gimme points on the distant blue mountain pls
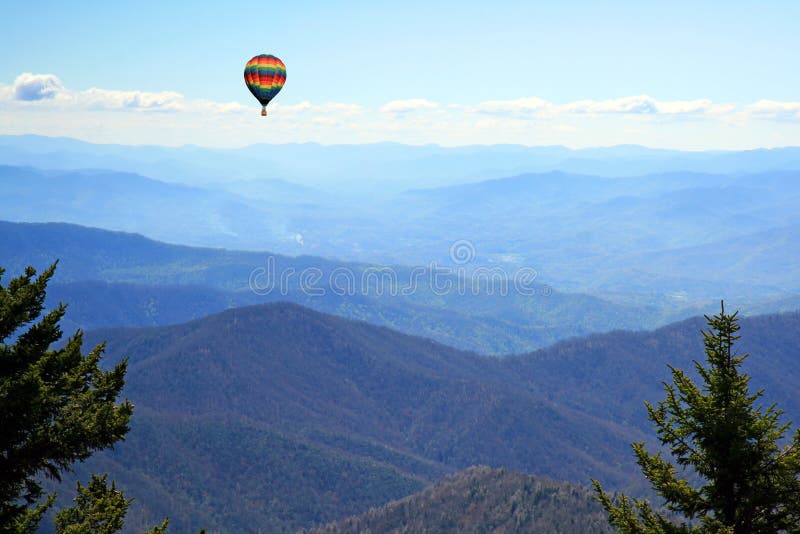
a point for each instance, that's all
(648, 239)
(167, 211)
(121, 279)
(380, 167)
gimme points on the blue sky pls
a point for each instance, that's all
(449, 53)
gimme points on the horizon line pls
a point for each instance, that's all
(400, 144)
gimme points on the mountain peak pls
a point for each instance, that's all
(485, 499)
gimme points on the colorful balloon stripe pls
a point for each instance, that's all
(265, 76)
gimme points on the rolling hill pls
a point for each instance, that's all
(611, 375)
(362, 406)
(484, 500)
(153, 283)
(654, 240)
(167, 211)
(704, 235)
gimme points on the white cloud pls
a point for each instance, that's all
(640, 104)
(339, 108)
(30, 87)
(218, 107)
(327, 121)
(632, 105)
(29, 104)
(331, 108)
(409, 105)
(143, 101)
(694, 107)
(293, 108)
(133, 100)
(770, 109)
(47, 90)
(519, 106)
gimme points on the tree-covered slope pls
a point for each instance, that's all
(484, 320)
(320, 375)
(228, 473)
(611, 375)
(401, 410)
(291, 418)
(484, 500)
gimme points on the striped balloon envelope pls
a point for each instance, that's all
(264, 76)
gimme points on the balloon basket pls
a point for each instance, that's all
(264, 112)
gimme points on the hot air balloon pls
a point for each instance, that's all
(264, 76)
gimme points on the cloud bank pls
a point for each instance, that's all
(631, 105)
(48, 89)
(407, 106)
(30, 87)
(771, 109)
(29, 103)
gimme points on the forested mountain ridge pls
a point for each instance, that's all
(374, 408)
(282, 363)
(647, 239)
(172, 212)
(149, 279)
(484, 500)
(611, 375)
(653, 234)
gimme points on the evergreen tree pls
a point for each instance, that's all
(99, 509)
(749, 477)
(56, 405)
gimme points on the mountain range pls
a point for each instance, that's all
(278, 414)
(676, 240)
(355, 168)
(119, 279)
(384, 337)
